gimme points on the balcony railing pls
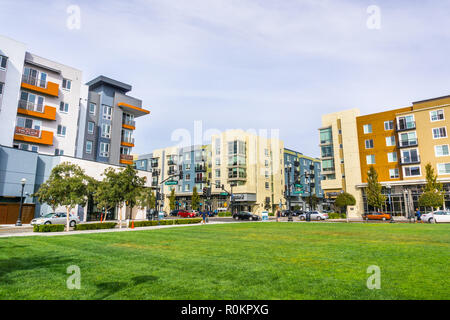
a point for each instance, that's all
(129, 122)
(34, 81)
(127, 140)
(200, 169)
(408, 143)
(28, 132)
(170, 162)
(126, 157)
(154, 164)
(403, 126)
(200, 180)
(410, 160)
(30, 106)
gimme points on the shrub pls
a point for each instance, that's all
(335, 215)
(188, 221)
(96, 226)
(138, 224)
(271, 214)
(48, 227)
(224, 214)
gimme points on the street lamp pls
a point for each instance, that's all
(288, 169)
(19, 219)
(389, 190)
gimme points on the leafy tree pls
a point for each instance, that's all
(344, 200)
(109, 193)
(314, 201)
(67, 186)
(373, 191)
(131, 186)
(195, 200)
(433, 195)
(147, 199)
(172, 199)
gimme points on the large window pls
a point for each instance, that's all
(439, 133)
(437, 115)
(388, 125)
(326, 136)
(327, 151)
(28, 123)
(328, 165)
(408, 139)
(392, 157)
(63, 107)
(236, 147)
(412, 171)
(369, 144)
(367, 128)
(106, 130)
(104, 149)
(236, 161)
(406, 122)
(107, 112)
(370, 159)
(394, 173)
(30, 101)
(390, 141)
(410, 156)
(66, 84)
(443, 168)
(441, 151)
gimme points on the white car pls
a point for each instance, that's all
(56, 218)
(439, 216)
(315, 215)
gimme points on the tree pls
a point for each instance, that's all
(373, 191)
(109, 193)
(344, 200)
(433, 196)
(314, 200)
(147, 199)
(195, 200)
(67, 186)
(131, 186)
(172, 199)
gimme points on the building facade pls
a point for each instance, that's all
(398, 143)
(236, 162)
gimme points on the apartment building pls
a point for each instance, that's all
(250, 167)
(40, 104)
(398, 143)
(107, 122)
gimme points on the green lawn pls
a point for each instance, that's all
(233, 261)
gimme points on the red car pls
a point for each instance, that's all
(186, 214)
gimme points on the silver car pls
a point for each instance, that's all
(56, 218)
(439, 216)
(315, 215)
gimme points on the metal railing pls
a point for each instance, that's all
(34, 81)
(410, 160)
(402, 126)
(408, 143)
(129, 140)
(129, 122)
(27, 105)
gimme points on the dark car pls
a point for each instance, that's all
(245, 215)
(174, 213)
(285, 213)
(298, 213)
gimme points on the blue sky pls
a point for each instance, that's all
(246, 64)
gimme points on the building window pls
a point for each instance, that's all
(92, 107)
(267, 185)
(394, 173)
(388, 125)
(266, 163)
(106, 130)
(91, 126)
(217, 183)
(63, 107)
(392, 157)
(437, 115)
(370, 159)
(367, 128)
(441, 151)
(187, 177)
(439, 133)
(443, 168)
(267, 174)
(104, 149)
(266, 152)
(326, 136)
(1, 88)
(88, 147)
(412, 171)
(406, 122)
(3, 61)
(217, 173)
(369, 144)
(390, 141)
(59, 152)
(66, 84)
(187, 166)
(107, 112)
(217, 161)
(61, 130)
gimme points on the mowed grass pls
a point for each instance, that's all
(233, 261)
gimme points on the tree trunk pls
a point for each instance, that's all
(120, 217)
(67, 219)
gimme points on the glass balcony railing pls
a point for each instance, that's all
(34, 81)
(408, 143)
(402, 125)
(410, 160)
(129, 122)
(128, 140)
(30, 106)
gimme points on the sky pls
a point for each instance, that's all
(246, 64)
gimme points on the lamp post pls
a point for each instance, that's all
(288, 169)
(19, 219)
(389, 190)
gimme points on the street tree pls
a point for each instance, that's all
(67, 186)
(172, 199)
(344, 200)
(109, 195)
(132, 186)
(433, 195)
(195, 199)
(375, 198)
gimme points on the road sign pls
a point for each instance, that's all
(224, 194)
(225, 204)
(171, 183)
(299, 186)
(299, 192)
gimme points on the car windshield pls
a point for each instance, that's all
(49, 215)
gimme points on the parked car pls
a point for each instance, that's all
(174, 213)
(298, 213)
(315, 215)
(56, 218)
(439, 216)
(186, 214)
(245, 215)
(377, 216)
(285, 213)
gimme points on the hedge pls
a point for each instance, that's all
(138, 224)
(95, 226)
(224, 214)
(335, 215)
(48, 227)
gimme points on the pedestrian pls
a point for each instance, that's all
(418, 215)
(203, 217)
(278, 215)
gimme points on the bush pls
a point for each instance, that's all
(139, 224)
(271, 214)
(188, 221)
(224, 214)
(48, 227)
(335, 215)
(96, 226)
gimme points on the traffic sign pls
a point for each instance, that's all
(225, 204)
(299, 186)
(171, 183)
(299, 192)
(224, 194)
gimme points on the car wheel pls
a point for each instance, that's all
(302, 218)
(384, 219)
(48, 222)
(430, 220)
(236, 218)
(72, 224)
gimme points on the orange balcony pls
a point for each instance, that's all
(34, 110)
(33, 136)
(133, 109)
(129, 124)
(37, 85)
(127, 144)
(126, 159)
